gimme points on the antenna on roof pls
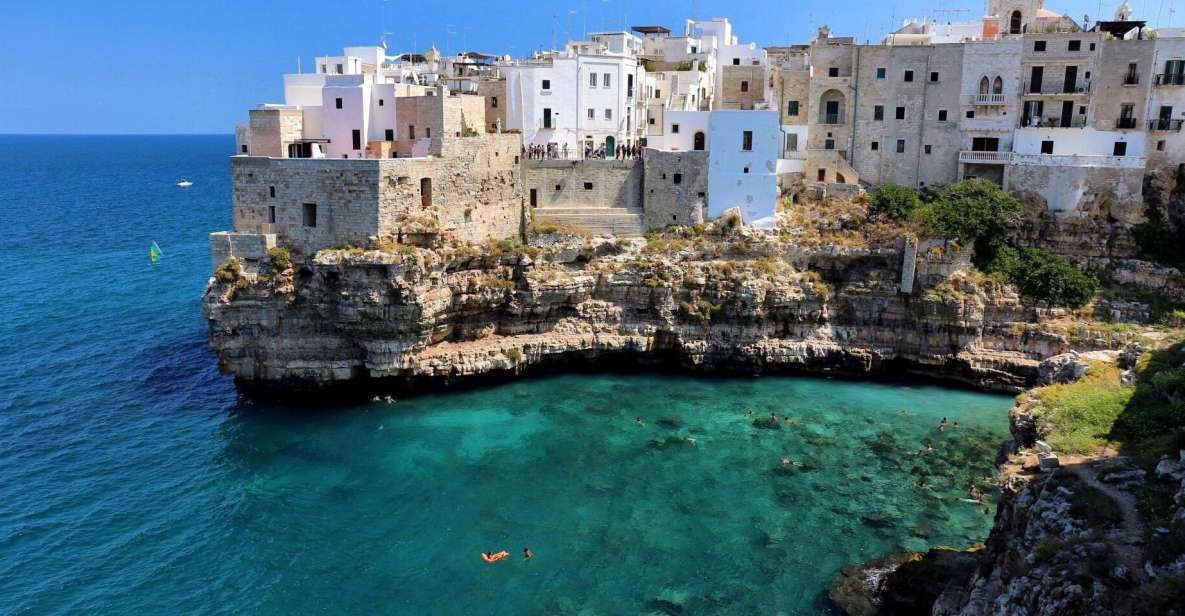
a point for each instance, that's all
(297, 65)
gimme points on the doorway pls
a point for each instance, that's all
(610, 146)
(425, 193)
(698, 141)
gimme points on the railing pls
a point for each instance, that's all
(989, 99)
(978, 156)
(1170, 79)
(1078, 160)
(1125, 123)
(1165, 125)
(831, 118)
(1055, 122)
(1055, 89)
(1131, 79)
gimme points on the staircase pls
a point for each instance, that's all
(597, 220)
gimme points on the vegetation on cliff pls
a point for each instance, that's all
(1161, 237)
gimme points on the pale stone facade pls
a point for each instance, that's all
(676, 188)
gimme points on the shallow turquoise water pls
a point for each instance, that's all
(134, 480)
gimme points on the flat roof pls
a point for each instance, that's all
(651, 30)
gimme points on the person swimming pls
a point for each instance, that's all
(527, 553)
(942, 425)
(955, 425)
(750, 413)
(493, 557)
(638, 420)
(903, 412)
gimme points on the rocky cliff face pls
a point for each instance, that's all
(749, 302)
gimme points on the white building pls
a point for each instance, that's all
(743, 152)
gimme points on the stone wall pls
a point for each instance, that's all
(584, 183)
(742, 87)
(669, 203)
(249, 248)
(1109, 93)
(473, 193)
(1102, 192)
(494, 92)
(273, 129)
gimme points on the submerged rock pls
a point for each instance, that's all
(768, 423)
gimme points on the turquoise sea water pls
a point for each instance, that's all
(133, 479)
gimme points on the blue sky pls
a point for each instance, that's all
(132, 66)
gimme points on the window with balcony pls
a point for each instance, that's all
(747, 140)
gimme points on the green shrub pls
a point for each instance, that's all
(280, 259)
(1161, 236)
(228, 271)
(513, 355)
(1042, 276)
(893, 202)
(973, 209)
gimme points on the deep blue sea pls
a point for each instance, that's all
(134, 480)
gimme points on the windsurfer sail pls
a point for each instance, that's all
(154, 253)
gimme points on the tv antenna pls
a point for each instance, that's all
(947, 12)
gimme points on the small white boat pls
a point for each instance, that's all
(184, 184)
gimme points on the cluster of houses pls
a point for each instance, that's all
(1062, 111)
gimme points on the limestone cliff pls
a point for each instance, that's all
(751, 302)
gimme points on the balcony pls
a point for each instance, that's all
(1131, 79)
(1078, 160)
(1172, 126)
(1170, 79)
(1056, 89)
(546, 125)
(985, 157)
(989, 99)
(831, 118)
(1055, 122)
(1125, 123)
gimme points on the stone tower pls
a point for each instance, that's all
(1014, 15)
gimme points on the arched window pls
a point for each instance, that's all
(839, 179)
(1014, 23)
(983, 85)
(998, 86)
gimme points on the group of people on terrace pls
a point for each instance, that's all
(555, 151)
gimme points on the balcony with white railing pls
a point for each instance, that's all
(1078, 160)
(985, 157)
(989, 99)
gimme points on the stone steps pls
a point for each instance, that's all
(597, 220)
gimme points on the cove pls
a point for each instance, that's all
(386, 507)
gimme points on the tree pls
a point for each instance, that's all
(893, 202)
(973, 210)
(1043, 276)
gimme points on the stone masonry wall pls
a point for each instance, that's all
(667, 203)
(585, 183)
(742, 87)
(273, 129)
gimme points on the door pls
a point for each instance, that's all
(832, 112)
(547, 118)
(1071, 82)
(1035, 79)
(1033, 111)
(698, 141)
(1165, 117)
(534, 198)
(1067, 113)
(426, 192)
(610, 144)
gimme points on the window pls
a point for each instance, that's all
(592, 113)
(927, 149)
(650, 121)
(880, 72)
(546, 84)
(428, 133)
(792, 108)
(357, 138)
(337, 103)
(792, 142)
(736, 61)
(605, 80)
(744, 86)
(271, 214)
(878, 113)
(588, 186)
(900, 146)
(323, 69)
(309, 214)
(874, 146)
(494, 102)
(1047, 147)
(390, 134)
(1160, 145)
(244, 148)
(941, 115)
(833, 71)
(658, 94)
(746, 169)
(678, 178)
(970, 114)
(1120, 149)
(1074, 46)
(901, 113)
(747, 140)
(934, 76)
(411, 131)
(1038, 45)
(1092, 46)
(822, 175)
(271, 192)
(380, 102)
(674, 129)
(608, 114)
(909, 75)
(339, 71)
(592, 80)
(828, 144)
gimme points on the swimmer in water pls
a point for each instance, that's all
(942, 425)
(638, 420)
(527, 553)
(493, 557)
(955, 425)
(750, 413)
(903, 412)
(689, 439)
